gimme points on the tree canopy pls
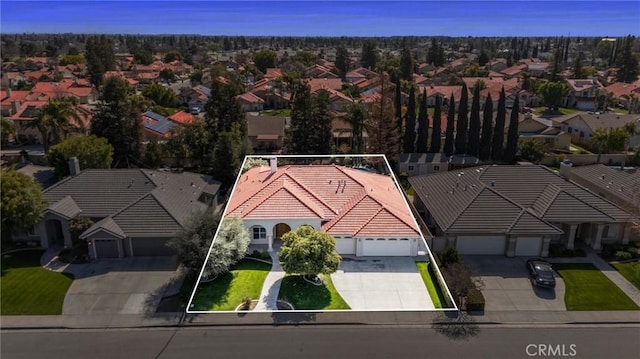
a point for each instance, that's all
(91, 151)
(265, 59)
(21, 203)
(194, 239)
(552, 93)
(308, 252)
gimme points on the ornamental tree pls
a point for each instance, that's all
(21, 203)
(309, 252)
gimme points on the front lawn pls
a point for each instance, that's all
(227, 291)
(429, 279)
(588, 289)
(545, 112)
(306, 296)
(28, 289)
(629, 270)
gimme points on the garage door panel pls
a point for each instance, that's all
(106, 248)
(528, 246)
(386, 247)
(346, 245)
(143, 247)
(481, 245)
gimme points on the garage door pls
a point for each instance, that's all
(143, 247)
(528, 246)
(106, 248)
(386, 247)
(346, 245)
(481, 245)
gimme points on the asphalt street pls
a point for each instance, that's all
(325, 342)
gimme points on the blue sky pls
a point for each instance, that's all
(325, 18)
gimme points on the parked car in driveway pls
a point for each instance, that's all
(541, 273)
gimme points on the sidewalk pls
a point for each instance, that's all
(511, 318)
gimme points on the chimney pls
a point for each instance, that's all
(274, 164)
(74, 166)
(15, 105)
(565, 168)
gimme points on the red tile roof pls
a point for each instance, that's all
(182, 117)
(346, 200)
(15, 96)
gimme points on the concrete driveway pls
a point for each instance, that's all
(381, 283)
(131, 285)
(507, 286)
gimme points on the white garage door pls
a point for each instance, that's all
(386, 247)
(346, 245)
(481, 245)
(528, 246)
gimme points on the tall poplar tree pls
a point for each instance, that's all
(487, 130)
(462, 127)
(448, 137)
(397, 105)
(409, 141)
(436, 132)
(423, 124)
(513, 135)
(473, 142)
(498, 131)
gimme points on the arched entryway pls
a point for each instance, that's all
(54, 232)
(280, 229)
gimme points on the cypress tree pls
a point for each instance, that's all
(423, 124)
(487, 130)
(448, 137)
(473, 142)
(463, 122)
(512, 136)
(498, 131)
(397, 104)
(409, 141)
(436, 131)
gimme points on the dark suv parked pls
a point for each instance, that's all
(541, 273)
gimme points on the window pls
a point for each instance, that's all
(605, 232)
(411, 168)
(381, 239)
(581, 134)
(258, 232)
(404, 239)
(436, 168)
(570, 129)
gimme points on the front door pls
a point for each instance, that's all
(280, 229)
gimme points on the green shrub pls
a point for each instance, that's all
(475, 301)
(623, 255)
(449, 256)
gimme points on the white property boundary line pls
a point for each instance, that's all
(404, 198)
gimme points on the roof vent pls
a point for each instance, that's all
(493, 183)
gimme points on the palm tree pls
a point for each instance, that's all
(56, 120)
(357, 117)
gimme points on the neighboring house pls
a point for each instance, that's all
(365, 212)
(250, 102)
(514, 211)
(619, 187)
(10, 101)
(156, 126)
(266, 133)
(537, 129)
(23, 115)
(581, 126)
(136, 211)
(415, 164)
(583, 93)
(195, 97)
